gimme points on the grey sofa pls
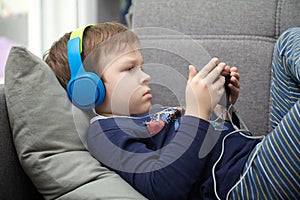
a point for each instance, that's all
(239, 32)
(14, 183)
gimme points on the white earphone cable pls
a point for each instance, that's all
(245, 133)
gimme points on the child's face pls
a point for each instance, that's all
(126, 84)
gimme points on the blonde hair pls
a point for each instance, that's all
(98, 35)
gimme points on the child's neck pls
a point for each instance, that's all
(107, 114)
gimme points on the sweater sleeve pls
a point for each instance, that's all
(167, 173)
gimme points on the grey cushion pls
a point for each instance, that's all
(240, 33)
(267, 18)
(14, 184)
(49, 135)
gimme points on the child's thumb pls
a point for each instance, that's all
(192, 72)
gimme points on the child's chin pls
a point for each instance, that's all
(144, 110)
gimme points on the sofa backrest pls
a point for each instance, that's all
(14, 183)
(240, 33)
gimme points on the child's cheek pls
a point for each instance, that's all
(124, 90)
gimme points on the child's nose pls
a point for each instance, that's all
(145, 78)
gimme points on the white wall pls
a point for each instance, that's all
(48, 20)
(45, 21)
(9, 7)
(13, 28)
(13, 20)
(51, 19)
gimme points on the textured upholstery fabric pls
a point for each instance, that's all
(49, 135)
(240, 33)
(14, 184)
(267, 18)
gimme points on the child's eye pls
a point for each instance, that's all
(130, 68)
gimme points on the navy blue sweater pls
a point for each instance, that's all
(175, 163)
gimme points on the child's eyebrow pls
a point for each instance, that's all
(133, 60)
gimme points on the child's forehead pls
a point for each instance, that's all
(129, 56)
(104, 54)
(124, 58)
(117, 48)
(132, 54)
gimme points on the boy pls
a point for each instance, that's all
(162, 154)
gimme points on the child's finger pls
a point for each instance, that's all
(227, 68)
(208, 68)
(216, 73)
(234, 69)
(235, 75)
(234, 72)
(226, 71)
(192, 72)
(234, 82)
(234, 90)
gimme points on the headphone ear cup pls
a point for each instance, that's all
(86, 91)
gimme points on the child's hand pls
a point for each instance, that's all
(204, 89)
(234, 84)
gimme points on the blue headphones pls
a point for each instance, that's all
(85, 89)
